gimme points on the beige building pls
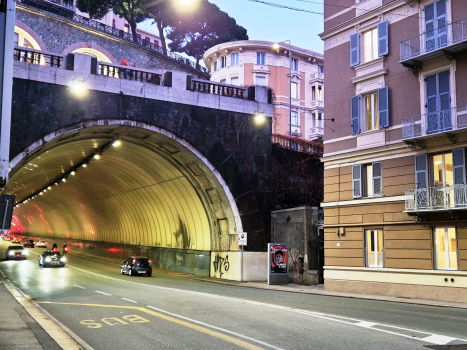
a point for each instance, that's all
(395, 201)
(253, 62)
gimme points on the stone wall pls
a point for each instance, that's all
(59, 33)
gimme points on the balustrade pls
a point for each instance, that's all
(436, 198)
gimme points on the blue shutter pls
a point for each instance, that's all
(357, 181)
(432, 104)
(458, 166)
(383, 41)
(444, 101)
(429, 27)
(383, 106)
(354, 49)
(355, 108)
(377, 179)
(441, 32)
(421, 171)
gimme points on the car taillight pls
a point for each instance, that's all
(150, 262)
(134, 261)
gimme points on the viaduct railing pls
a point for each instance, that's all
(297, 144)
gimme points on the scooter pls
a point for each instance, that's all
(65, 249)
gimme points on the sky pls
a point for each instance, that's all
(264, 22)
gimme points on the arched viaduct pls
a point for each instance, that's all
(180, 173)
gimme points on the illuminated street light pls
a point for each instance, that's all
(259, 117)
(96, 156)
(77, 88)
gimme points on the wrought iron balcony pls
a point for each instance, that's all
(443, 41)
(436, 198)
(435, 123)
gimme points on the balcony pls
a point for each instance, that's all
(316, 133)
(316, 78)
(436, 198)
(443, 41)
(447, 121)
(317, 103)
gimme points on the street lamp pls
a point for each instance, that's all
(277, 47)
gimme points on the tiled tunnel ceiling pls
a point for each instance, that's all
(132, 194)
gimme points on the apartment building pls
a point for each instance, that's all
(254, 62)
(395, 201)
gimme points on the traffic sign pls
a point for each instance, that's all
(242, 238)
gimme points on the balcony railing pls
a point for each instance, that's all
(316, 133)
(24, 54)
(431, 41)
(436, 122)
(210, 87)
(297, 144)
(125, 72)
(317, 103)
(68, 13)
(316, 77)
(436, 198)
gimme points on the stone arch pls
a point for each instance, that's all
(195, 180)
(30, 35)
(93, 49)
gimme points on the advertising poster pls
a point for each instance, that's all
(278, 258)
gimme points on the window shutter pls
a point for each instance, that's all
(383, 106)
(441, 22)
(354, 49)
(377, 179)
(355, 108)
(429, 27)
(458, 165)
(357, 181)
(421, 171)
(383, 39)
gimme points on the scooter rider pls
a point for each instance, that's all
(65, 248)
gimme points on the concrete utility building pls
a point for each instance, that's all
(254, 62)
(395, 201)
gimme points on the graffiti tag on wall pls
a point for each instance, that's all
(221, 264)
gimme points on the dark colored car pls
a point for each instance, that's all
(15, 252)
(29, 243)
(136, 265)
(50, 258)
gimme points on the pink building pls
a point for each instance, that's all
(254, 62)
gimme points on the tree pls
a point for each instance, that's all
(196, 32)
(131, 10)
(163, 13)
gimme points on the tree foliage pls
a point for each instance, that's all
(194, 33)
(164, 13)
(131, 10)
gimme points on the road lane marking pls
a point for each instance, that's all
(349, 321)
(439, 339)
(195, 327)
(103, 293)
(131, 301)
(78, 286)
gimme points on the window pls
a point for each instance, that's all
(261, 81)
(320, 93)
(294, 63)
(442, 170)
(16, 39)
(294, 90)
(320, 69)
(260, 58)
(370, 112)
(445, 248)
(125, 28)
(374, 248)
(113, 23)
(223, 61)
(148, 40)
(375, 44)
(438, 102)
(234, 59)
(234, 81)
(223, 81)
(367, 180)
(436, 32)
(294, 118)
(214, 66)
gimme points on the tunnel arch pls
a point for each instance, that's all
(177, 198)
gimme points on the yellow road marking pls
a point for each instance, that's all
(227, 338)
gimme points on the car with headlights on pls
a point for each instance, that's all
(41, 244)
(15, 252)
(29, 243)
(136, 265)
(50, 258)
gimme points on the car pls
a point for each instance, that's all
(29, 243)
(41, 244)
(136, 265)
(50, 258)
(16, 240)
(15, 252)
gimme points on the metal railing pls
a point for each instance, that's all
(210, 87)
(94, 24)
(433, 40)
(436, 122)
(436, 198)
(28, 55)
(297, 144)
(125, 72)
(317, 103)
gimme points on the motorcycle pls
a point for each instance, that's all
(65, 249)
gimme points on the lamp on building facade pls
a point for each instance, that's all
(277, 47)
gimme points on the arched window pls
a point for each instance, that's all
(94, 53)
(24, 39)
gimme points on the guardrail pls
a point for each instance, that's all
(297, 144)
(37, 57)
(433, 40)
(94, 24)
(436, 198)
(436, 122)
(125, 72)
(210, 87)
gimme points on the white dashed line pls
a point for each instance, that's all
(78, 286)
(103, 293)
(131, 301)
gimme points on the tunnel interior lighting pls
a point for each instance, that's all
(116, 143)
(260, 118)
(96, 156)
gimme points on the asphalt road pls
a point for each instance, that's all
(106, 310)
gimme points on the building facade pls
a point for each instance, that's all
(253, 62)
(395, 194)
